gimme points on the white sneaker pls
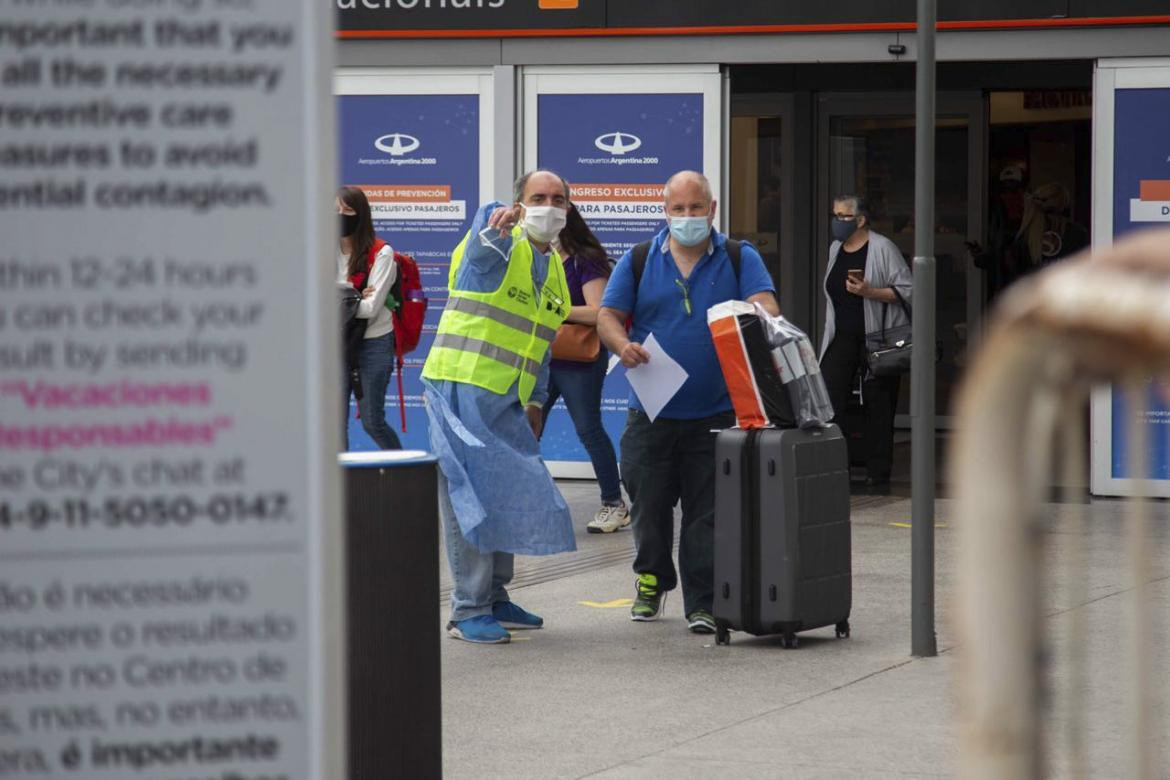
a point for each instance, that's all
(609, 519)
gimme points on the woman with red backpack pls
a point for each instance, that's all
(367, 264)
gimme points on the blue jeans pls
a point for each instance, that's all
(375, 365)
(479, 577)
(663, 462)
(581, 389)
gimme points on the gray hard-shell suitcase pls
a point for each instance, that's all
(782, 534)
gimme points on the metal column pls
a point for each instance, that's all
(505, 128)
(922, 370)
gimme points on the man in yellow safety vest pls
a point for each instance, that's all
(485, 381)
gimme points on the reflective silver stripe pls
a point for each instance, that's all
(505, 356)
(496, 314)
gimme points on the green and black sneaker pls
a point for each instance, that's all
(701, 622)
(648, 599)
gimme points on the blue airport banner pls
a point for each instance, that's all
(417, 159)
(1141, 199)
(616, 150)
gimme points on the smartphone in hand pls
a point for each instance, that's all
(856, 274)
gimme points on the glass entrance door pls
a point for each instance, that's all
(760, 194)
(866, 147)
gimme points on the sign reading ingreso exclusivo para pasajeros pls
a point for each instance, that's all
(617, 151)
(168, 368)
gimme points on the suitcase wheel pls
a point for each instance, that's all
(722, 634)
(843, 629)
(789, 641)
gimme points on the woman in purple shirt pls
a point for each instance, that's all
(587, 269)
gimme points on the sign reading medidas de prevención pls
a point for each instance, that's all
(167, 406)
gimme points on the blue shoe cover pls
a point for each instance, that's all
(481, 629)
(512, 616)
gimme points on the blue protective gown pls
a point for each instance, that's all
(504, 497)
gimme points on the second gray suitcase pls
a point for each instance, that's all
(783, 558)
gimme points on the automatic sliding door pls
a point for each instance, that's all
(759, 203)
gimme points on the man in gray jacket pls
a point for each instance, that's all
(867, 284)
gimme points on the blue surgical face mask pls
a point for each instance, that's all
(690, 231)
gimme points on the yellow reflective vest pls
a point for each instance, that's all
(493, 339)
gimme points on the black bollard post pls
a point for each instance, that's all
(392, 580)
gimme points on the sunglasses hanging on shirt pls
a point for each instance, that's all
(686, 293)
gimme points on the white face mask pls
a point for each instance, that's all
(544, 223)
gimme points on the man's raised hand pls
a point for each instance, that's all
(504, 219)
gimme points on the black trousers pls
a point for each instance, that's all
(666, 462)
(842, 361)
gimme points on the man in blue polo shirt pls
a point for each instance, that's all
(687, 270)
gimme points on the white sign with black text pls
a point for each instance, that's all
(169, 561)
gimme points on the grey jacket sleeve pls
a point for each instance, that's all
(895, 272)
(887, 269)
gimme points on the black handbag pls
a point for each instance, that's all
(888, 352)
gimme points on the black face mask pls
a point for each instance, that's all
(349, 224)
(843, 228)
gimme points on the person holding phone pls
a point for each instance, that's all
(865, 269)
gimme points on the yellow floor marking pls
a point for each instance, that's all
(521, 638)
(615, 604)
(907, 525)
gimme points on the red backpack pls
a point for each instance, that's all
(408, 304)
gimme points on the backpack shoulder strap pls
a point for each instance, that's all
(735, 253)
(375, 248)
(641, 252)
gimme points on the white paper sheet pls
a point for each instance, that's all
(656, 382)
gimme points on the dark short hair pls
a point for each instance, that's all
(522, 183)
(860, 205)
